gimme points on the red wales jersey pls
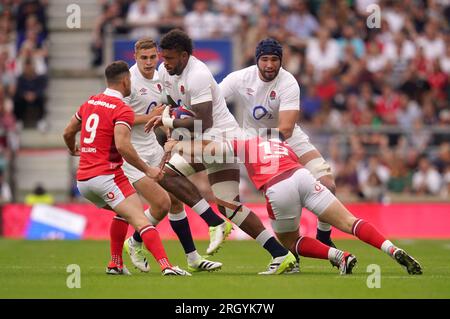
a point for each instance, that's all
(98, 116)
(264, 159)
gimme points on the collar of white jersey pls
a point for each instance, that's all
(114, 93)
(139, 74)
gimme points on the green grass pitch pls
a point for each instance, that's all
(38, 269)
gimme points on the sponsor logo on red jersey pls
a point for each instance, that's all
(110, 195)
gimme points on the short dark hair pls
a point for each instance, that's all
(176, 39)
(115, 71)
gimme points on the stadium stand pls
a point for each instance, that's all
(383, 94)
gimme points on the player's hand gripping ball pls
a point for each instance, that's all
(181, 112)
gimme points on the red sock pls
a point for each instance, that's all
(154, 245)
(367, 233)
(117, 234)
(310, 247)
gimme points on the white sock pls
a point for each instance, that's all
(323, 226)
(201, 207)
(388, 247)
(193, 256)
(178, 216)
(150, 217)
(263, 237)
(335, 255)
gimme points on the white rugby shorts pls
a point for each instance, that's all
(154, 159)
(288, 193)
(105, 190)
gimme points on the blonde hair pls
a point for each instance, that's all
(144, 43)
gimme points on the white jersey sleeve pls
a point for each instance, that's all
(200, 87)
(228, 86)
(290, 95)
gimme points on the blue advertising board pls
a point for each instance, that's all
(48, 222)
(217, 54)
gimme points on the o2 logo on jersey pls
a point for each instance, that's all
(260, 112)
(151, 105)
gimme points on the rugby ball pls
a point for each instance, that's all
(181, 112)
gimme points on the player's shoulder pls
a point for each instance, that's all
(113, 103)
(287, 81)
(123, 110)
(94, 97)
(91, 100)
(134, 75)
(286, 76)
(196, 67)
(246, 74)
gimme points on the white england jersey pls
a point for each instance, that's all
(197, 85)
(145, 95)
(262, 101)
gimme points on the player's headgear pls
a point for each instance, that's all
(268, 46)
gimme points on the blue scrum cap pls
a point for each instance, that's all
(268, 47)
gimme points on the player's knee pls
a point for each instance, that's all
(321, 170)
(176, 207)
(160, 208)
(328, 182)
(237, 215)
(228, 191)
(179, 165)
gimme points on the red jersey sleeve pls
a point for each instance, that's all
(78, 113)
(125, 116)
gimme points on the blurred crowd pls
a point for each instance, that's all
(23, 75)
(23, 62)
(381, 91)
(353, 74)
